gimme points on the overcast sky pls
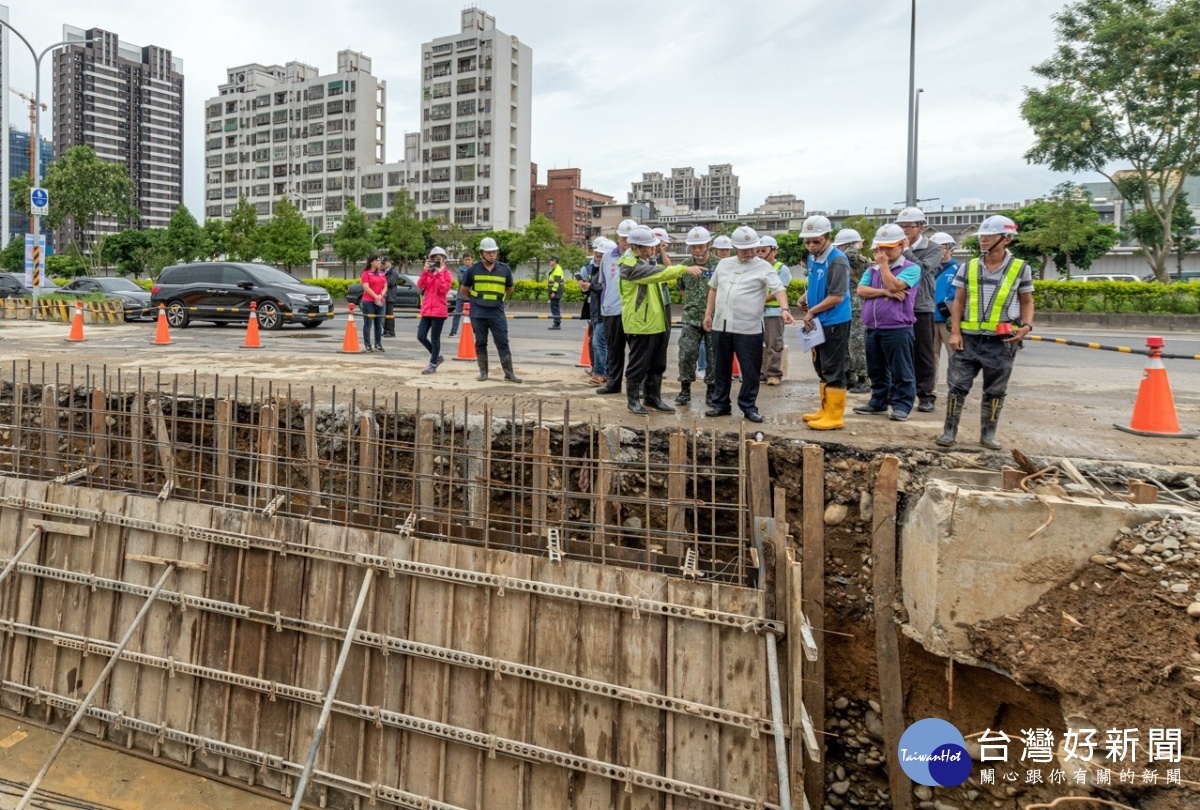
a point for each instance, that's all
(800, 96)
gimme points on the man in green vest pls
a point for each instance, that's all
(556, 282)
(487, 284)
(992, 312)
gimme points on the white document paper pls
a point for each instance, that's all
(813, 338)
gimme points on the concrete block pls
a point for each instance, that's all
(966, 555)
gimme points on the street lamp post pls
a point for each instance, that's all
(916, 145)
(35, 170)
(910, 192)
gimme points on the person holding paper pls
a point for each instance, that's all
(828, 302)
(734, 315)
(889, 291)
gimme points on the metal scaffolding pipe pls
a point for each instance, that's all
(12, 564)
(91, 695)
(326, 709)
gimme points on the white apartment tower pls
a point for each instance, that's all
(476, 95)
(287, 131)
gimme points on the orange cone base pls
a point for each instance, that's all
(350, 340)
(466, 342)
(253, 341)
(1154, 412)
(162, 332)
(585, 354)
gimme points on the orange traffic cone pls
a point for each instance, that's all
(1154, 412)
(466, 338)
(162, 333)
(76, 334)
(252, 339)
(585, 354)
(350, 341)
(737, 370)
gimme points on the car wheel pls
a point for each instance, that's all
(177, 315)
(269, 316)
(313, 324)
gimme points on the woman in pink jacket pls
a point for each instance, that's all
(434, 285)
(374, 303)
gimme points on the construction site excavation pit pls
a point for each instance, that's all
(346, 600)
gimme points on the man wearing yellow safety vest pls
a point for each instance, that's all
(556, 282)
(487, 283)
(992, 312)
(773, 344)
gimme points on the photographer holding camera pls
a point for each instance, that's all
(434, 284)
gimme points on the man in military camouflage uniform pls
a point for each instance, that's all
(695, 298)
(851, 242)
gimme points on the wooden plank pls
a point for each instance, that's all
(677, 493)
(887, 644)
(813, 584)
(368, 473)
(759, 479)
(225, 415)
(552, 623)
(595, 716)
(477, 469)
(748, 759)
(640, 665)
(425, 454)
(268, 450)
(505, 699)
(71, 529)
(1142, 493)
(18, 593)
(49, 442)
(312, 456)
(541, 478)
(137, 425)
(99, 431)
(162, 439)
(180, 564)
(1010, 478)
(609, 447)
(693, 656)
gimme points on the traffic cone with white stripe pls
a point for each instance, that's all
(350, 339)
(76, 334)
(1154, 411)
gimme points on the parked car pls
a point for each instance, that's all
(1108, 277)
(410, 296)
(136, 300)
(221, 292)
(12, 285)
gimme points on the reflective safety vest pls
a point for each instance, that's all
(971, 320)
(771, 302)
(488, 287)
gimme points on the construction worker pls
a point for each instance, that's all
(991, 314)
(695, 297)
(610, 308)
(850, 242)
(889, 290)
(646, 318)
(827, 300)
(734, 315)
(488, 283)
(723, 247)
(772, 372)
(556, 282)
(588, 284)
(943, 295)
(925, 253)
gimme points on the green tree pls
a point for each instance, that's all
(12, 258)
(286, 237)
(1123, 90)
(185, 240)
(134, 251)
(1063, 228)
(571, 258)
(1142, 225)
(791, 249)
(537, 244)
(82, 189)
(243, 235)
(353, 240)
(399, 233)
(215, 235)
(505, 244)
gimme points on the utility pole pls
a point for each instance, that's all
(910, 190)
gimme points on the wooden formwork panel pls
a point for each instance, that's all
(476, 678)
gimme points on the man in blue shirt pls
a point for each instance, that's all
(827, 300)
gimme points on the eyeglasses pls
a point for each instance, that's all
(813, 241)
(909, 225)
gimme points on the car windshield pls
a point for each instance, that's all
(269, 275)
(117, 285)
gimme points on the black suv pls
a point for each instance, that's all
(222, 292)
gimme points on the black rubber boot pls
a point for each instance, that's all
(654, 395)
(634, 399)
(989, 416)
(954, 405)
(708, 392)
(483, 367)
(685, 394)
(506, 363)
(613, 386)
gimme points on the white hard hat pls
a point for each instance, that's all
(723, 243)
(768, 241)
(910, 214)
(643, 236)
(698, 236)
(942, 238)
(815, 225)
(997, 226)
(662, 235)
(488, 243)
(437, 251)
(626, 227)
(888, 236)
(598, 243)
(744, 238)
(847, 236)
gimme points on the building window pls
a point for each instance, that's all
(464, 194)
(372, 181)
(395, 179)
(466, 64)
(440, 90)
(438, 175)
(314, 93)
(314, 166)
(334, 107)
(333, 165)
(464, 174)
(439, 195)
(374, 200)
(464, 129)
(464, 216)
(441, 50)
(466, 86)
(334, 146)
(439, 112)
(466, 107)
(466, 44)
(333, 184)
(464, 150)
(440, 69)
(439, 133)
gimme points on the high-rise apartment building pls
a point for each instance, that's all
(476, 94)
(17, 164)
(717, 191)
(126, 103)
(287, 131)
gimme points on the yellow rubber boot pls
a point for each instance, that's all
(809, 417)
(835, 408)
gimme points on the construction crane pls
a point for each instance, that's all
(33, 136)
